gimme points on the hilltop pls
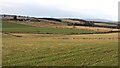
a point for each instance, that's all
(64, 21)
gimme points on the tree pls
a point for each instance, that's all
(15, 17)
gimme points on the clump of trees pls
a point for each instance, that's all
(15, 17)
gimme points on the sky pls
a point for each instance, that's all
(91, 9)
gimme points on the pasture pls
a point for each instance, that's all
(20, 28)
(60, 50)
(27, 45)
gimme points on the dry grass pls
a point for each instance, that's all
(93, 28)
(60, 50)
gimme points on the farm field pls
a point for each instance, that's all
(61, 25)
(60, 50)
(20, 28)
(28, 45)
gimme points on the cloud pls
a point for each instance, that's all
(80, 8)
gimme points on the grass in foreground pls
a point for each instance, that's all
(60, 50)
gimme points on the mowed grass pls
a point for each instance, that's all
(20, 28)
(47, 46)
(60, 50)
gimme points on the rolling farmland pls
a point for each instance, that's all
(20, 28)
(27, 45)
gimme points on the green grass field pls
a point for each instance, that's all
(19, 28)
(25, 45)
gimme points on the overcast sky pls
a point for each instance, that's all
(98, 9)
